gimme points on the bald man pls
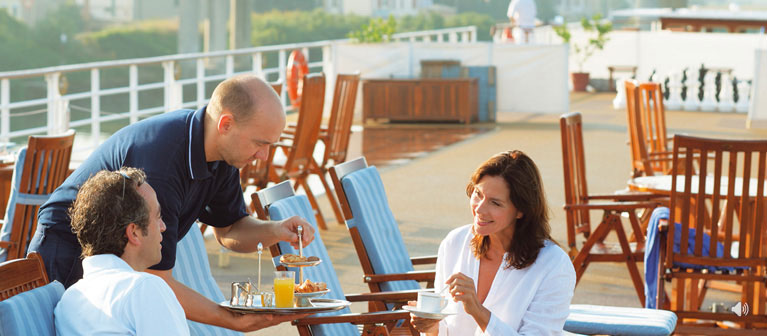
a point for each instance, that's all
(191, 159)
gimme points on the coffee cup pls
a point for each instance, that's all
(430, 302)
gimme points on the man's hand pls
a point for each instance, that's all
(287, 230)
(251, 322)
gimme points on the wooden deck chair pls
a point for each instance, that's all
(688, 260)
(374, 231)
(278, 202)
(27, 299)
(299, 147)
(193, 270)
(40, 168)
(650, 154)
(578, 203)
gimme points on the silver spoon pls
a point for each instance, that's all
(300, 230)
(260, 251)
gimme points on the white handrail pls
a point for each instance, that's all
(56, 101)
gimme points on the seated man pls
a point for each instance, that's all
(116, 218)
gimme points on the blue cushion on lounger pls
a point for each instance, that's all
(378, 229)
(193, 270)
(31, 312)
(299, 206)
(607, 320)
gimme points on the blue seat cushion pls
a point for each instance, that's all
(378, 229)
(31, 312)
(607, 320)
(299, 206)
(193, 270)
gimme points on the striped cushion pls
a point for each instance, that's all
(193, 270)
(299, 206)
(31, 312)
(377, 226)
(590, 320)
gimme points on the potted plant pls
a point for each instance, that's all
(582, 52)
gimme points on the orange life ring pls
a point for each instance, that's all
(297, 69)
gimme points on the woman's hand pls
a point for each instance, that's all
(424, 325)
(461, 287)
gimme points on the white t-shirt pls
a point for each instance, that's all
(112, 298)
(531, 301)
(523, 12)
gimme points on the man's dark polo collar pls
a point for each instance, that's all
(198, 167)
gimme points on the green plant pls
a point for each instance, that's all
(584, 51)
(375, 31)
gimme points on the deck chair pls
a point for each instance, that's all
(336, 135)
(578, 203)
(278, 202)
(650, 154)
(27, 299)
(688, 260)
(40, 168)
(298, 148)
(193, 270)
(374, 231)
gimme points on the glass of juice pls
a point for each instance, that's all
(284, 283)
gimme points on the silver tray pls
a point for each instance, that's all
(318, 306)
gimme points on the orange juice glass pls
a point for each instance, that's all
(284, 285)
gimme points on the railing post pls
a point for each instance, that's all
(473, 30)
(281, 68)
(95, 106)
(440, 37)
(258, 66)
(5, 112)
(200, 71)
(330, 74)
(169, 80)
(55, 113)
(133, 93)
(229, 66)
(453, 37)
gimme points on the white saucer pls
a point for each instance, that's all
(426, 314)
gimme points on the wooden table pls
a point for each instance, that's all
(661, 184)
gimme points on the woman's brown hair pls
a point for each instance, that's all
(526, 194)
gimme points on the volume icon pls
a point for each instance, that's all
(740, 309)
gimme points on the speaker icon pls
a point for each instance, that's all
(740, 309)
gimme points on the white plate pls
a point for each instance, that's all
(312, 294)
(302, 264)
(428, 315)
(304, 299)
(318, 306)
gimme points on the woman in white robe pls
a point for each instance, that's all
(505, 274)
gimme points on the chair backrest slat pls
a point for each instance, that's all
(308, 126)
(574, 167)
(341, 117)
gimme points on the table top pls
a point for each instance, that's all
(661, 184)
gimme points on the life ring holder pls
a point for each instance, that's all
(297, 69)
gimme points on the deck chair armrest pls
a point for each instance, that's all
(5, 244)
(424, 260)
(364, 318)
(396, 296)
(427, 275)
(615, 206)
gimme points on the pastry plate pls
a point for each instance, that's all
(302, 263)
(428, 315)
(312, 294)
(318, 306)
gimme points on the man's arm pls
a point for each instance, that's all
(198, 308)
(245, 234)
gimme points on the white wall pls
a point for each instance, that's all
(531, 78)
(669, 52)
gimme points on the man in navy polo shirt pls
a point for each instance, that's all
(191, 158)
